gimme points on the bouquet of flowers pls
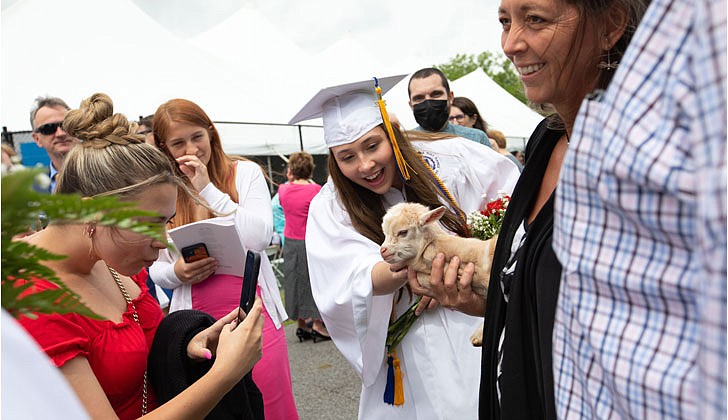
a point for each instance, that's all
(486, 223)
(398, 329)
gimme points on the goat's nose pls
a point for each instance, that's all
(383, 250)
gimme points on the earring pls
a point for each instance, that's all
(90, 229)
(607, 65)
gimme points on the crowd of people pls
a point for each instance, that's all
(607, 290)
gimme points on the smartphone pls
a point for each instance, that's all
(250, 280)
(195, 252)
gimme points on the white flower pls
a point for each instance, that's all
(43, 181)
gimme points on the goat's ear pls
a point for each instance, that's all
(432, 216)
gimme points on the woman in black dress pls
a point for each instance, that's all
(563, 51)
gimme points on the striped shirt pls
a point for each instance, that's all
(640, 229)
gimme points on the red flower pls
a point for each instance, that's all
(486, 223)
(496, 206)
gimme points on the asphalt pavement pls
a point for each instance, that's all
(325, 386)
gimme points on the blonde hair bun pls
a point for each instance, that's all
(95, 125)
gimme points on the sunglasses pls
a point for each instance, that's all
(48, 129)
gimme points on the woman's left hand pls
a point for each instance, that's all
(195, 170)
(204, 344)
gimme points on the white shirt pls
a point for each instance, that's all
(254, 219)
(441, 369)
(33, 388)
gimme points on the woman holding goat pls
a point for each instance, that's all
(373, 166)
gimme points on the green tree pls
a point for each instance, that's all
(495, 65)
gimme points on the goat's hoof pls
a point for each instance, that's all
(477, 338)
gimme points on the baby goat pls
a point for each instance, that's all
(413, 236)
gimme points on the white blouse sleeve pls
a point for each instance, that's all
(253, 214)
(340, 262)
(162, 271)
(253, 218)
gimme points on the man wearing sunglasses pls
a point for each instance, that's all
(46, 117)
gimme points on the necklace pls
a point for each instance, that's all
(134, 313)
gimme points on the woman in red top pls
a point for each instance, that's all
(105, 361)
(295, 197)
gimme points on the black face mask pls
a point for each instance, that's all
(431, 114)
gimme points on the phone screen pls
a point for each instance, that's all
(195, 252)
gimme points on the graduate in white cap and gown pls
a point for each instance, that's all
(373, 166)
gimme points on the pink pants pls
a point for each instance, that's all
(272, 373)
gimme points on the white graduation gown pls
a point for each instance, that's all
(440, 368)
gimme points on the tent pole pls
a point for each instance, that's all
(270, 177)
(300, 137)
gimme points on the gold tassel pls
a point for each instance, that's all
(398, 387)
(445, 191)
(401, 163)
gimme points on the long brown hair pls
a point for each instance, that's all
(468, 107)
(596, 11)
(365, 208)
(220, 168)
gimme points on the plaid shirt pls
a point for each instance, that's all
(640, 229)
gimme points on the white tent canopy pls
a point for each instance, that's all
(132, 58)
(140, 65)
(501, 110)
(263, 59)
(242, 70)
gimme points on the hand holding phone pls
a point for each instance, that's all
(250, 281)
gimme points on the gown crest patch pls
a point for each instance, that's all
(432, 160)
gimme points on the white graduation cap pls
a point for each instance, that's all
(349, 111)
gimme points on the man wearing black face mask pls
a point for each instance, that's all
(430, 99)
